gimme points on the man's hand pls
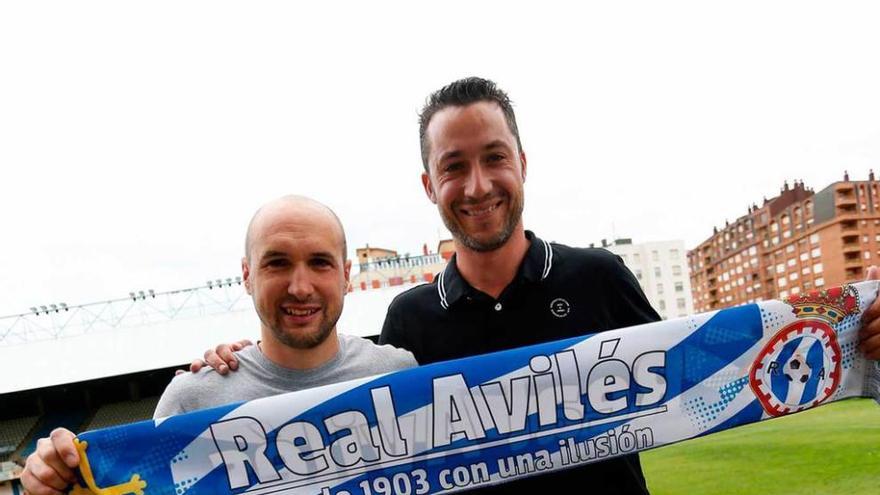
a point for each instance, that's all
(869, 335)
(50, 469)
(222, 358)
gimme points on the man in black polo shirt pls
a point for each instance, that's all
(505, 287)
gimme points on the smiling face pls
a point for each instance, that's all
(296, 272)
(475, 174)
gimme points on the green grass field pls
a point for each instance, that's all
(834, 449)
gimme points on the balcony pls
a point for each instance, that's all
(845, 197)
(849, 226)
(854, 274)
(852, 262)
(847, 208)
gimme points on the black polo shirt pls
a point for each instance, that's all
(558, 292)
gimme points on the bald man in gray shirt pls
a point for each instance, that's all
(296, 271)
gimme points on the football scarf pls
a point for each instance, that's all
(494, 418)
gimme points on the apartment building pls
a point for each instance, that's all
(799, 240)
(661, 269)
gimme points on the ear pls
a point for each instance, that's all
(246, 275)
(346, 273)
(429, 187)
(522, 159)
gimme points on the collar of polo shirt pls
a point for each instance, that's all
(536, 267)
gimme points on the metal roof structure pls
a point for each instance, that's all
(57, 344)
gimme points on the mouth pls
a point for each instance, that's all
(481, 210)
(299, 312)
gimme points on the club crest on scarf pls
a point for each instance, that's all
(800, 366)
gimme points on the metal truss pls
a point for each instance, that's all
(56, 321)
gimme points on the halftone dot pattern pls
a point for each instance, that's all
(700, 413)
(692, 324)
(851, 323)
(718, 380)
(703, 415)
(849, 354)
(771, 319)
(718, 335)
(154, 459)
(113, 439)
(182, 486)
(732, 389)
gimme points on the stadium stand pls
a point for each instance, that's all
(13, 433)
(72, 420)
(123, 412)
(106, 363)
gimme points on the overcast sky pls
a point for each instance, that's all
(136, 139)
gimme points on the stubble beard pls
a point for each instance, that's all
(297, 340)
(514, 215)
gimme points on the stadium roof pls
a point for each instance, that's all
(146, 332)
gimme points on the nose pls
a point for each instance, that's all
(300, 285)
(478, 184)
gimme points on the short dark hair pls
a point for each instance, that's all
(461, 93)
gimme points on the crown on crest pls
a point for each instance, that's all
(832, 305)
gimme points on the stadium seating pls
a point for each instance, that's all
(72, 420)
(123, 412)
(13, 433)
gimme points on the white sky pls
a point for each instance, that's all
(136, 139)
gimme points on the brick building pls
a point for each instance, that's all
(799, 240)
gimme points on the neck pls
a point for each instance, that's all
(298, 359)
(491, 271)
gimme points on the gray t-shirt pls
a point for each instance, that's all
(259, 377)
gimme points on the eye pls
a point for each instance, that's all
(276, 263)
(321, 263)
(495, 157)
(453, 167)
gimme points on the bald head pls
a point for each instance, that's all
(293, 207)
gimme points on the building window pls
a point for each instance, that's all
(659, 288)
(805, 256)
(639, 275)
(817, 268)
(814, 239)
(781, 282)
(819, 282)
(655, 256)
(676, 269)
(791, 262)
(793, 276)
(780, 268)
(867, 255)
(789, 248)
(662, 305)
(656, 271)
(679, 287)
(805, 270)
(816, 252)
(636, 258)
(673, 254)
(680, 303)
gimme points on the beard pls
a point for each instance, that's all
(496, 240)
(297, 339)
